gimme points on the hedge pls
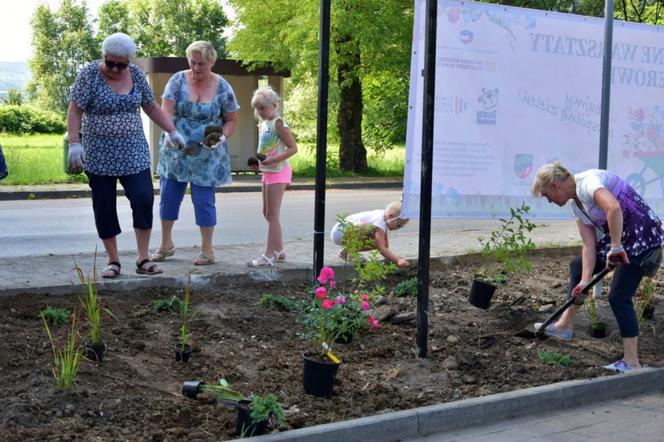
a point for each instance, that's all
(30, 120)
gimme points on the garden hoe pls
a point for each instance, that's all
(530, 333)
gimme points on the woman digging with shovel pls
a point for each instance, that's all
(619, 231)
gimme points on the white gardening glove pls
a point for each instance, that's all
(175, 141)
(220, 143)
(75, 157)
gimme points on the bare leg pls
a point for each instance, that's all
(275, 194)
(111, 246)
(142, 243)
(566, 319)
(206, 240)
(167, 234)
(631, 351)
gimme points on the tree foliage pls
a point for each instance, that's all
(63, 43)
(369, 40)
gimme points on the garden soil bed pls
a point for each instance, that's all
(135, 393)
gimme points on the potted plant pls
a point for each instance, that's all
(645, 302)
(222, 390)
(330, 317)
(506, 250)
(183, 348)
(258, 413)
(597, 328)
(95, 347)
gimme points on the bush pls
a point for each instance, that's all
(29, 120)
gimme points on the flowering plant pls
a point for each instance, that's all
(334, 316)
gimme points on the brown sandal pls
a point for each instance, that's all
(151, 269)
(112, 270)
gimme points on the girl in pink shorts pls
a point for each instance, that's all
(276, 143)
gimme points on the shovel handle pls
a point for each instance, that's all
(570, 301)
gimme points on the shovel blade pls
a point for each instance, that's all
(530, 333)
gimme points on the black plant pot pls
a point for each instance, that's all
(245, 426)
(318, 377)
(182, 355)
(190, 389)
(598, 331)
(648, 312)
(95, 352)
(481, 294)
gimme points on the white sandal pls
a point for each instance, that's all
(279, 256)
(257, 262)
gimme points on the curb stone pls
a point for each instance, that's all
(425, 421)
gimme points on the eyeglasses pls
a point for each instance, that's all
(114, 64)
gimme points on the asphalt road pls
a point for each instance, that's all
(61, 227)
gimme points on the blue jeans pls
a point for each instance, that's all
(625, 282)
(203, 198)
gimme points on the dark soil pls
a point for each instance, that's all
(135, 393)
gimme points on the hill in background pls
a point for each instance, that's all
(13, 75)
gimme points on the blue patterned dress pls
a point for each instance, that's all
(111, 126)
(206, 167)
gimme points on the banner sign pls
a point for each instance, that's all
(517, 88)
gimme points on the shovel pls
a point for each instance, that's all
(530, 333)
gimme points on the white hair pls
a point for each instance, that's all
(119, 44)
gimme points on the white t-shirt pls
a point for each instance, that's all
(373, 217)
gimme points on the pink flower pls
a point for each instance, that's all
(321, 292)
(333, 285)
(364, 297)
(341, 299)
(375, 324)
(328, 304)
(370, 319)
(326, 274)
(365, 305)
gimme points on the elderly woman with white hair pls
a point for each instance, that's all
(619, 231)
(195, 98)
(107, 141)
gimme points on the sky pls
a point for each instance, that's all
(16, 31)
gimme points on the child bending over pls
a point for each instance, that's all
(373, 226)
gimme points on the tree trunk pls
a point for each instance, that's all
(352, 154)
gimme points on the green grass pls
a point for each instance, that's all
(39, 159)
(554, 358)
(36, 159)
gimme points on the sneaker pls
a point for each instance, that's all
(619, 366)
(551, 330)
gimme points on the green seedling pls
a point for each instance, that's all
(185, 315)
(278, 302)
(591, 309)
(172, 304)
(222, 389)
(406, 288)
(66, 360)
(264, 408)
(551, 357)
(55, 316)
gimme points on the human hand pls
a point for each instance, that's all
(616, 257)
(75, 157)
(578, 294)
(403, 263)
(221, 142)
(175, 140)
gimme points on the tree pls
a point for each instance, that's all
(165, 27)
(63, 43)
(14, 97)
(369, 39)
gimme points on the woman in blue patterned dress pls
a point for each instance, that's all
(104, 106)
(195, 98)
(619, 231)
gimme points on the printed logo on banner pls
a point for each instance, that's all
(523, 165)
(489, 100)
(466, 36)
(453, 105)
(453, 14)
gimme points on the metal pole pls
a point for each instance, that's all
(321, 134)
(606, 85)
(425, 184)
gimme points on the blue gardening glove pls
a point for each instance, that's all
(578, 294)
(175, 141)
(220, 143)
(75, 157)
(616, 257)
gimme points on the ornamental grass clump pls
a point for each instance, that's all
(334, 316)
(66, 360)
(92, 307)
